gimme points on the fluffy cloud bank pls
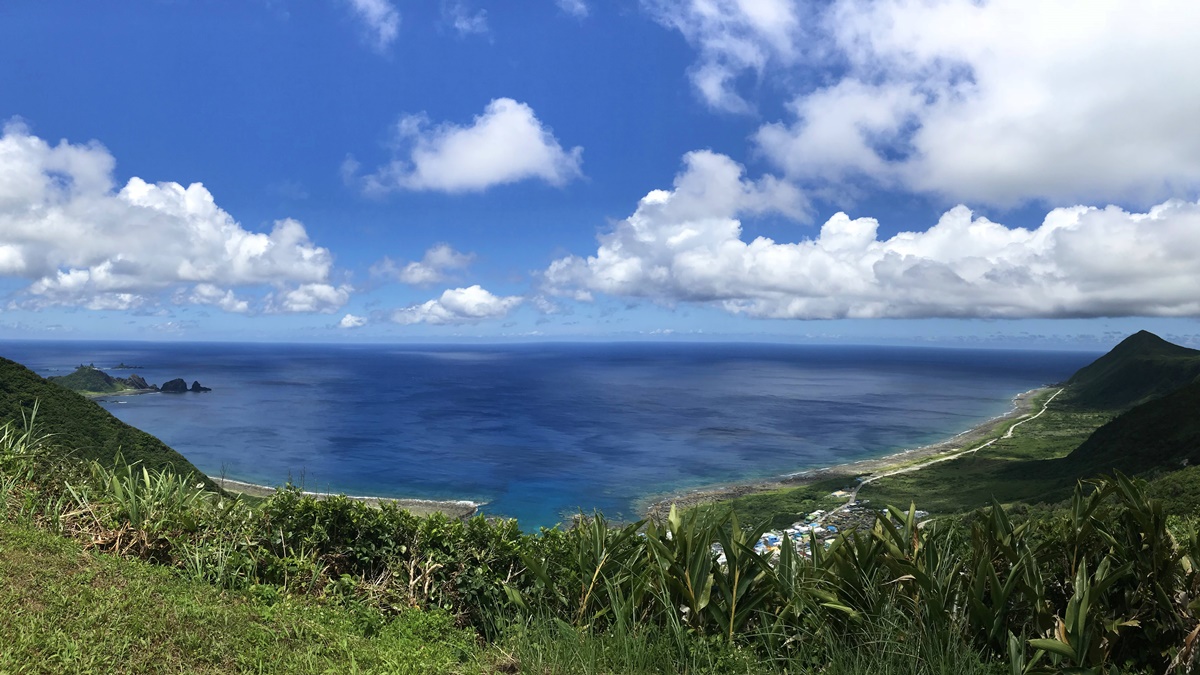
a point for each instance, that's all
(986, 102)
(458, 305)
(506, 144)
(685, 245)
(79, 241)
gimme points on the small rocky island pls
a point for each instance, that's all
(90, 380)
(179, 386)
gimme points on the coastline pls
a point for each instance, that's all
(95, 395)
(422, 507)
(657, 506)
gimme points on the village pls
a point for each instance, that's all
(819, 526)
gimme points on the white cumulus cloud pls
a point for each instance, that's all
(380, 19)
(352, 321)
(307, 298)
(686, 245)
(999, 102)
(506, 144)
(438, 264)
(208, 294)
(78, 240)
(458, 305)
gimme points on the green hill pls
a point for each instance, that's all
(1161, 434)
(80, 424)
(1143, 367)
(1157, 385)
(90, 380)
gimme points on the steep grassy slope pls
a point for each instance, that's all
(1143, 367)
(82, 425)
(1161, 434)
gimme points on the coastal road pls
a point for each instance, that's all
(943, 458)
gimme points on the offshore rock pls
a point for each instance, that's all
(137, 382)
(175, 386)
(197, 388)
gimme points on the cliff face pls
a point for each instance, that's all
(136, 381)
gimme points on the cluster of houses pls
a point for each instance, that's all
(819, 527)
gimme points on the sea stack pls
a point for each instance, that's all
(175, 386)
(137, 382)
(196, 387)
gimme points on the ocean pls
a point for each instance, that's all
(541, 431)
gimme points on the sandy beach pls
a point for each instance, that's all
(657, 506)
(420, 507)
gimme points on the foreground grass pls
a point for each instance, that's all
(892, 646)
(67, 610)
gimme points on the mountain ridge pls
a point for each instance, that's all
(1141, 368)
(1155, 386)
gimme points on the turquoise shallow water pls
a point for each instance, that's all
(537, 431)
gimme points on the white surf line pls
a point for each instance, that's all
(956, 455)
(223, 482)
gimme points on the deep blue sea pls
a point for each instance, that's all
(538, 431)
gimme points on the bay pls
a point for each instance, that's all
(539, 431)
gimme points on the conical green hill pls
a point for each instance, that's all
(1141, 368)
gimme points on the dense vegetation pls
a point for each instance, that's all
(80, 425)
(1161, 434)
(1107, 581)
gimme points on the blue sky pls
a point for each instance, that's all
(376, 170)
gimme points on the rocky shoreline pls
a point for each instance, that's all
(657, 506)
(95, 383)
